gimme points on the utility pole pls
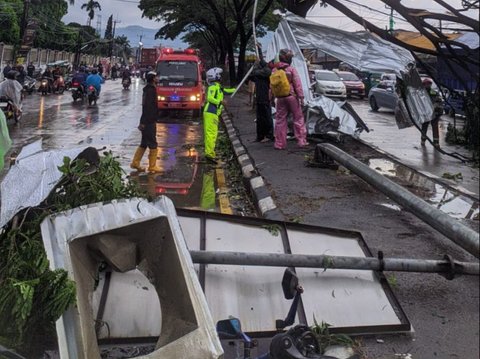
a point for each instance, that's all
(139, 51)
(113, 38)
(99, 25)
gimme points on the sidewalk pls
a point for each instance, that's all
(444, 314)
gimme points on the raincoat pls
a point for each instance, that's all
(5, 141)
(211, 112)
(290, 104)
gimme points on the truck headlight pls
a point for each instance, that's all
(161, 98)
(193, 98)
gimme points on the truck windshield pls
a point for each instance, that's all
(177, 71)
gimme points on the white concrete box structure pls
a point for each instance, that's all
(128, 235)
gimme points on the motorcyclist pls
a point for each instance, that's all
(80, 77)
(47, 74)
(95, 80)
(30, 69)
(21, 74)
(57, 74)
(11, 89)
(126, 75)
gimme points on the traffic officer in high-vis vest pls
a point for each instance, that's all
(212, 111)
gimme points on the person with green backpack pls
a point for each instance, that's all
(286, 87)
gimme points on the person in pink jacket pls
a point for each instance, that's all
(292, 103)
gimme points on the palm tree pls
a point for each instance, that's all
(90, 7)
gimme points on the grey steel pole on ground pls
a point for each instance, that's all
(465, 237)
(447, 266)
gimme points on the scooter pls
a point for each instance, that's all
(78, 91)
(44, 85)
(92, 95)
(59, 85)
(29, 84)
(68, 82)
(8, 108)
(298, 342)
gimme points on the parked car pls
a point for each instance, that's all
(329, 84)
(353, 84)
(383, 95)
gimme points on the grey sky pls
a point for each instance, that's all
(128, 13)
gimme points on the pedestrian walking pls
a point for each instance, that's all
(261, 77)
(286, 87)
(212, 111)
(148, 127)
(437, 112)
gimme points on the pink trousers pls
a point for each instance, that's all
(284, 106)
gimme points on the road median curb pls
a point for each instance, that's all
(260, 192)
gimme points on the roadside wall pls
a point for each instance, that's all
(40, 57)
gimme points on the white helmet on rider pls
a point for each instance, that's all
(214, 74)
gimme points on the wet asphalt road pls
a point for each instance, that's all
(405, 145)
(112, 124)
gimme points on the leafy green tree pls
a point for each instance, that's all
(9, 22)
(52, 33)
(123, 44)
(226, 24)
(90, 8)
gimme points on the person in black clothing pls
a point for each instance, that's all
(261, 76)
(7, 69)
(148, 127)
(30, 69)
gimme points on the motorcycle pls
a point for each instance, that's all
(44, 85)
(8, 108)
(92, 95)
(68, 82)
(29, 84)
(126, 82)
(78, 91)
(298, 342)
(59, 85)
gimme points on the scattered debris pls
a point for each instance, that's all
(453, 176)
(274, 229)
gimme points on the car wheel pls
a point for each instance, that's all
(373, 104)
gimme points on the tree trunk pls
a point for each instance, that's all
(241, 59)
(231, 64)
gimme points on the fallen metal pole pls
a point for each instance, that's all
(242, 82)
(465, 237)
(448, 266)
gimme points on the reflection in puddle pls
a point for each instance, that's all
(439, 196)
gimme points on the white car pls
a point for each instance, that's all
(329, 84)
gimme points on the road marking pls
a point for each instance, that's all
(225, 207)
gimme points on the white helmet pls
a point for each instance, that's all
(214, 74)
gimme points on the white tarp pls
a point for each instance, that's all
(31, 179)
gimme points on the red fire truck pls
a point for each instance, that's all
(180, 84)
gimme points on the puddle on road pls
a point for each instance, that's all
(439, 196)
(184, 177)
